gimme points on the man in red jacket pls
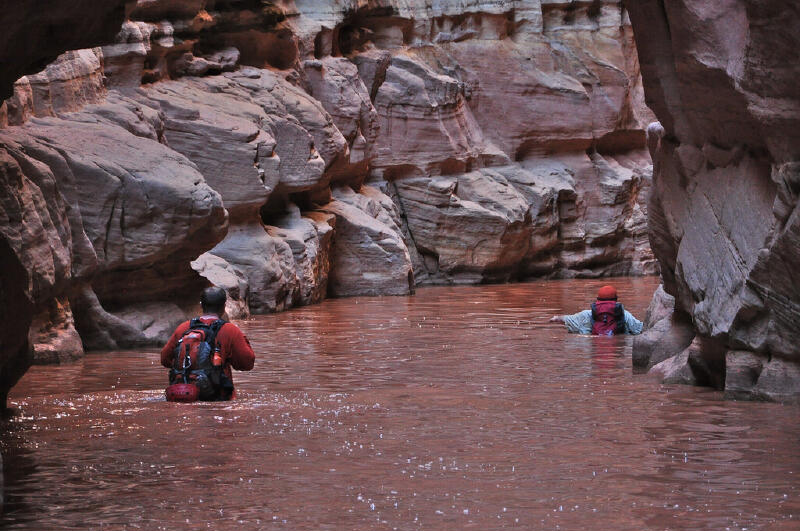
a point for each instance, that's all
(232, 347)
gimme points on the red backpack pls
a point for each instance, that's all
(608, 318)
(198, 360)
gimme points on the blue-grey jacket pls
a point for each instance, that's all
(581, 323)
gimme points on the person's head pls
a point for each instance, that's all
(213, 300)
(607, 293)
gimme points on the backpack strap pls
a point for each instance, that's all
(214, 329)
(211, 335)
(594, 312)
(619, 317)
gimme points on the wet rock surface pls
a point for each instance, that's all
(298, 151)
(666, 332)
(723, 211)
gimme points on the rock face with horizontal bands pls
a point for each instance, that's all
(723, 213)
(292, 151)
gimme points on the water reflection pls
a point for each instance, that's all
(455, 409)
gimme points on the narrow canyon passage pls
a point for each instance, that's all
(458, 408)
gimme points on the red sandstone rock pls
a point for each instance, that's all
(370, 256)
(55, 339)
(310, 237)
(123, 212)
(719, 77)
(72, 81)
(228, 277)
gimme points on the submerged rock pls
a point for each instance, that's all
(665, 333)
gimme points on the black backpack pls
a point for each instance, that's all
(193, 361)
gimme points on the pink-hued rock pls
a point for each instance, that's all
(722, 216)
(310, 237)
(118, 182)
(266, 262)
(250, 143)
(72, 81)
(123, 61)
(698, 364)
(55, 339)
(284, 265)
(130, 325)
(335, 82)
(228, 277)
(308, 142)
(666, 332)
(220, 133)
(122, 213)
(370, 256)
(743, 369)
(425, 122)
(467, 225)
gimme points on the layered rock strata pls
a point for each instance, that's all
(724, 206)
(290, 152)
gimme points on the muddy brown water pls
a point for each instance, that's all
(459, 408)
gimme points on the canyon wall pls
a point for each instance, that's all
(289, 151)
(32, 37)
(724, 218)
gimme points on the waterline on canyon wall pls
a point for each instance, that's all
(458, 408)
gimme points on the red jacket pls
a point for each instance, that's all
(234, 346)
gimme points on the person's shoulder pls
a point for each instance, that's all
(230, 328)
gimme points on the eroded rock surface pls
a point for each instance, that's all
(292, 151)
(723, 212)
(34, 35)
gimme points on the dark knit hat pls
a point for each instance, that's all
(607, 293)
(213, 298)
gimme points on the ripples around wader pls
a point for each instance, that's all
(458, 408)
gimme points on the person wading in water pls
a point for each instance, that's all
(201, 353)
(607, 317)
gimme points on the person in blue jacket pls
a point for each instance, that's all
(607, 317)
